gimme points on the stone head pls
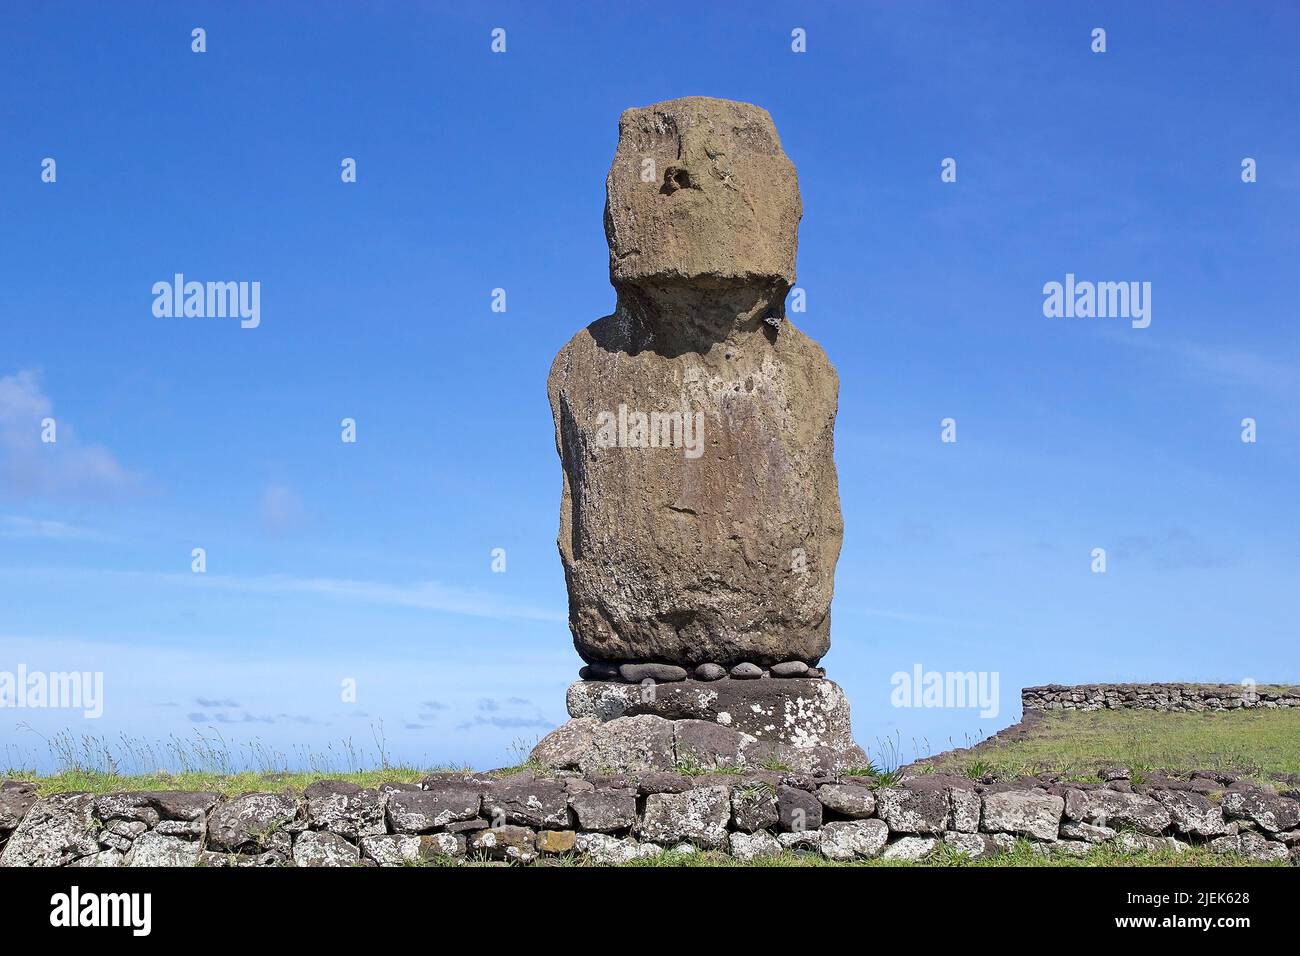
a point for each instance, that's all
(700, 189)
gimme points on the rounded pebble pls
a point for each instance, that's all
(710, 672)
(790, 669)
(746, 671)
(636, 673)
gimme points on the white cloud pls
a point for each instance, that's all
(29, 466)
(422, 595)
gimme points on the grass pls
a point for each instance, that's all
(204, 761)
(1261, 744)
(94, 781)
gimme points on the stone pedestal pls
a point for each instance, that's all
(796, 724)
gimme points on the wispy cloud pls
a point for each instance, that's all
(1221, 365)
(215, 702)
(505, 723)
(905, 616)
(30, 466)
(1239, 367)
(1173, 548)
(420, 595)
(16, 526)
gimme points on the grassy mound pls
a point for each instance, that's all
(1259, 744)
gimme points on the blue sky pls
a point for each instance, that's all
(372, 561)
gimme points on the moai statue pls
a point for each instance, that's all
(700, 519)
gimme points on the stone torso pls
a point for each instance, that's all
(700, 518)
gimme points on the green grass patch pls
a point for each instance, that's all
(90, 781)
(1263, 744)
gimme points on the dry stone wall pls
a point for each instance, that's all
(1167, 697)
(524, 818)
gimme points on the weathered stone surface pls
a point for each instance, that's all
(250, 821)
(966, 809)
(702, 743)
(709, 672)
(908, 848)
(913, 811)
(797, 810)
(421, 811)
(600, 670)
(530, 803)
(405, 850)
(1115, 809)
(753, 808)
(108, 857)
(605, 811)
(153, 849)
(801, 712)
(974, 845)
(606, 850)
(1134, 842)
(853, 839)
(746, 670)
(722, 551)
(751, 846)
(120, 834)
(54, 832)
(564, 747)
(808, 840)
(555, 841)
(697, 816)
(789, 669)
(847, 800)
(631, 745)
(182, 804)
(16, 798)
(1024, 813)
(324, 848)
(1160, 697)
(126, 806)
(1255, 846)
(512, 843)
(724, 203)
(185, 829)
(240, 860)
(1193, 813)
(344, 808)
(1073, 830)
(1270, 811)
(1226, 844)
(636, 673)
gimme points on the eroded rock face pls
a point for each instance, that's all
(799, 712)
(54, 832)
(700, 518)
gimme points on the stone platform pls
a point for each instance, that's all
(795, 711)
(801, 724)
